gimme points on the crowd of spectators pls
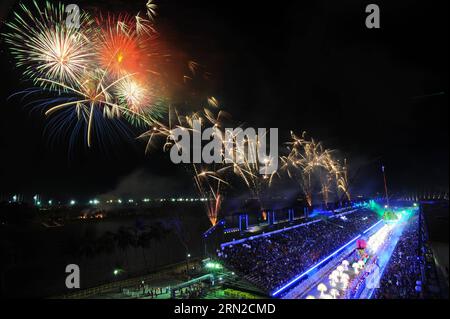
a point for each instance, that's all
(402, 279)
(195, 291)
(271, 261)
(142, 291)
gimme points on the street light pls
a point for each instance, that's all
(187, 262)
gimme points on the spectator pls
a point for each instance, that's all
(271, 261)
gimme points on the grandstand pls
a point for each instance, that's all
(270, 260)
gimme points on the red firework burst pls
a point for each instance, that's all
(121, 49)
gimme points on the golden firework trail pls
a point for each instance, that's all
(308, 160)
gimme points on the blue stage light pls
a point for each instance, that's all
(371, 227)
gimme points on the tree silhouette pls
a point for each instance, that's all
(143, 241)
(124, 239)
(88, 243)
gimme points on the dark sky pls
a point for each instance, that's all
(376, 95)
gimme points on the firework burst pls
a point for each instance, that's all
(47, 47)
(101, 66)
(121, 45)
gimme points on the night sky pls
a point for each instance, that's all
(378, 96)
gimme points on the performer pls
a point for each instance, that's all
(361, 246)
(373, 277)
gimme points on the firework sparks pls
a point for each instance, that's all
(92, 93)
(104, 64)
(151, 9)
(208, 178)
(342, 180)
(106, 69)
(309, 161)
(121, 44)
(133, 94)
(209, 185)
(42, 43)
